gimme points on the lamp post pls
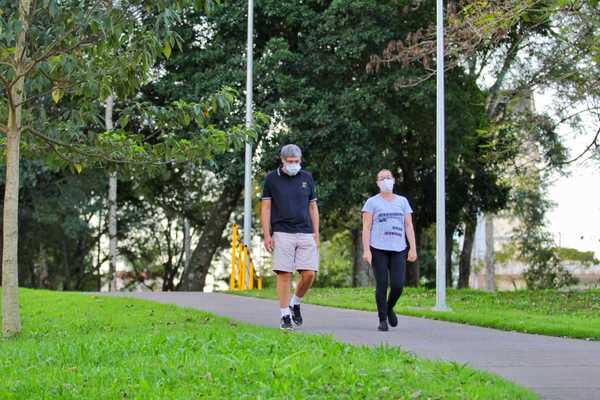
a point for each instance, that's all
(249, 123)
(440, 248)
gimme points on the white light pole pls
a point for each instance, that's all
(440, 248)
(248, 154)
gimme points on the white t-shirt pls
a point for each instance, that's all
(387, 231)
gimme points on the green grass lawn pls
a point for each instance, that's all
(79, 346)
(549, 312)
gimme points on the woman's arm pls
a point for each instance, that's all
(410, 234)
(366, 236)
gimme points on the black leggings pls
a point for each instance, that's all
(388, 266)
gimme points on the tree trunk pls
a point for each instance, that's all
(195, 277)
(98, 262)
(112, 230)
(11, 320)
(450, 229)
(187, 246)
(464, 265)
(362, 273)
(112, 203)
(489, 254)
(11, 323)
(43, 281)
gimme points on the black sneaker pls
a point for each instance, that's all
(383, 326)
(392, 318)
(286, 323)
(296, 316)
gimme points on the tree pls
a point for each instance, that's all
(85, 51)
(355, 123)
(57, 239)
(533, 242)
(351, 124)
(522, 46)
(208, 193)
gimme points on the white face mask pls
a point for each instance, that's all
(292, 169)
(386, 185)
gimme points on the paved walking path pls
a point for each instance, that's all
(555, 368)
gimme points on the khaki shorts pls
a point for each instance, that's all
(295, 251)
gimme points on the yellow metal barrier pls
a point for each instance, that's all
(240, 259)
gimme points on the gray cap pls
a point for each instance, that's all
(290, 150)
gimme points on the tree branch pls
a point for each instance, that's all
(588, 148)
(100, 156)
(7, 64)
(506, 65)
(565, 119)
(54, 48)
(5, 82)
(54, 148)
(45, 93)
(54, 51)
(8, 90)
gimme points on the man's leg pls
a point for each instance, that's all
(307, 264)
(305, 281)
(283, 265)
(283, 293)
(283, 288)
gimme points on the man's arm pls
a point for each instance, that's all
(265, 220)
(313, 209)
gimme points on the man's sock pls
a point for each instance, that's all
(285, 311)
(295, 300)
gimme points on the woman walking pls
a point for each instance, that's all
(387, 223)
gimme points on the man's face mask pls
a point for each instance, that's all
(292, 168)
(291, 165)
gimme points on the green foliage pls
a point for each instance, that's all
(569, 254)
(81, 53)
(83, 346)
(351, 124)
(335, 268)
(587, 258)
(128, 145)
(509, 252)
(56, 240)
(548, 312)
(534, 243)
(427, 263)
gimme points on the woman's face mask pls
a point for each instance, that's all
(386, 185)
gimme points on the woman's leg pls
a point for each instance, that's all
(397, 276)
(380, 263)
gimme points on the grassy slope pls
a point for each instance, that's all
(548, 312)
(81, 346)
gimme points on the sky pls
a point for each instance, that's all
(575, 219)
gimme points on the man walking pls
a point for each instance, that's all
(290, 222)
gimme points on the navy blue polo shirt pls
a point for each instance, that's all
(290, 197)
